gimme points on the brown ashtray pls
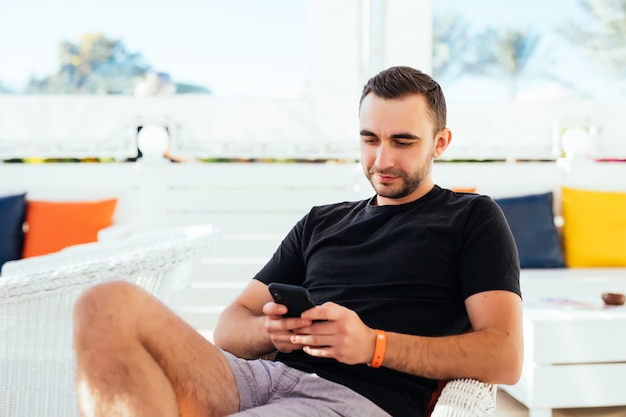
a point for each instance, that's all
(613, 298)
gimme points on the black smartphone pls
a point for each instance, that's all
(296, 298)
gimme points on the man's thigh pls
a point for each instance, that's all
(123, 323)
(271, 389)
(198, 371)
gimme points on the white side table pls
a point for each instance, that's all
(575, 355)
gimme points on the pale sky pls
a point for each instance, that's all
(230, 46)
(233, 47)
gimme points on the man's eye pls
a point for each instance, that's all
(404, 144)
(368, 140)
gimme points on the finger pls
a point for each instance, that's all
(335, 352)
(295, 324)
(312, 340)
(282, 342)
(319, 352)
(289, 325)
(328, 311)
(273, 309)
(317, 328)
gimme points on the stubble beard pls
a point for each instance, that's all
(409, 182)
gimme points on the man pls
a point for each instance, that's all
(414, 285)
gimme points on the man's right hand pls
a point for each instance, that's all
(281, 329)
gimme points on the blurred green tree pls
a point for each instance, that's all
(451, 39)
(493, 52)
(93, 65)
(505, 52)
(5, 89)
(96, 64)
(604, 39)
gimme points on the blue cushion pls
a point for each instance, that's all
(12, 215)
(532, 223)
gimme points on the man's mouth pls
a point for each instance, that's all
(384, 179)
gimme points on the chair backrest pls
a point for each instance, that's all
(37, 296)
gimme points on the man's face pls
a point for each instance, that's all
(398, 144)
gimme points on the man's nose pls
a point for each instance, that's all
(384, 156)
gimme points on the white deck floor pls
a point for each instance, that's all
(509, 407)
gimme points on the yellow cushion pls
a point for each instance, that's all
(594, 228)
(53, 225)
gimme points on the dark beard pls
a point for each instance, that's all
(410, 182)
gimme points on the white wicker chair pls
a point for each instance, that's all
(466, 398)
(36, 301)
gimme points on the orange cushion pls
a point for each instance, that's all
(464, 189)
(54, 225)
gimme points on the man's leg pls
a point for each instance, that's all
(137, 358)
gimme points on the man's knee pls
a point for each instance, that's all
(103, 297)
(106, 306)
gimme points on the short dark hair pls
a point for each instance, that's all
(399, 82)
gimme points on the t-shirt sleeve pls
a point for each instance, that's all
(489, 259)
(286, 264)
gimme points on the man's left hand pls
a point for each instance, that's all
(337, 332)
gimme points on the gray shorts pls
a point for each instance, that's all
(273, 389)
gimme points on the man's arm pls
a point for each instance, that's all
(253, 325)
(240, 329)
(492, 352)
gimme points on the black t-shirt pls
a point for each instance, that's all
(402, 268)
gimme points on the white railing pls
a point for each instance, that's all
(205, 126)
(254, 205)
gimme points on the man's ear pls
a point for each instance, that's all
(443, 139)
